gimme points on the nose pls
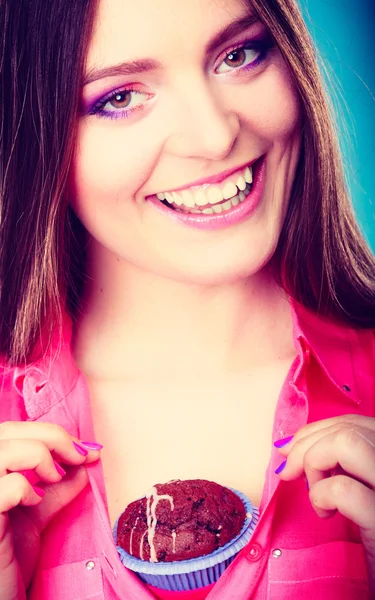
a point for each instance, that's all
(201, 127)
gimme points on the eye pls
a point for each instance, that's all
(120, 103)
(123, 99)
(242, 57)
(120, 100)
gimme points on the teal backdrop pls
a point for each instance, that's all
(344, 31)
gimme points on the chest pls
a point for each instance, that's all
(218, 429)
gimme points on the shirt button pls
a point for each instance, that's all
(254, 552)
(276, 553)
(90, 565)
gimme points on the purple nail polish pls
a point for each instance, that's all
(283, 442)
(92, 445)
(59, 469)
(280, 468)
(80, 449)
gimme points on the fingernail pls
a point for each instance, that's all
(39, 491)
(280, 468)
(30, 475)
(283, 442)
(59, 469)
(80, 449)
(92, 445)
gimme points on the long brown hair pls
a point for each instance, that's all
(322, 259)
(42, 54)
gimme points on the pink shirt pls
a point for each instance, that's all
(293, 554)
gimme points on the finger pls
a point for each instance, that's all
(28, 522)
(58, 496)
(349, 447)
(11, 583)
(64, 446)
(350, 497)
(25, 542)
(320, 428)
(15, 490)
(24, 455)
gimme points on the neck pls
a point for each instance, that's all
(137, 324)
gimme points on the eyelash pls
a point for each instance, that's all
(98, 108)
(261, 46)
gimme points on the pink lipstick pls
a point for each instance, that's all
(224, 219)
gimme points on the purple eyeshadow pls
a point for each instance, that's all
(95, 105)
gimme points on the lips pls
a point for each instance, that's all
(205, 182)
(219, 219)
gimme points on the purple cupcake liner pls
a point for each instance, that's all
(196, 572)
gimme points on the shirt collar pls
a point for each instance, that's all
(333, 345)
(45, 381)
(50, 378)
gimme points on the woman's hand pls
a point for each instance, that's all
(337, 457)
(31, 453)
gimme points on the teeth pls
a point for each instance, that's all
(219, 208)
(187, 198)
(227, 205)
(177, 199)
(211, 194)
(241, 183)
(248, 175)
(200, 198)
(229, 190)
(214, 195)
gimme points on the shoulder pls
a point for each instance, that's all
(322, 331)
(11, 403)
(345, 352)
(29, 390)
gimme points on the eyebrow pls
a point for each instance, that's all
(148, 64)
(231, 31)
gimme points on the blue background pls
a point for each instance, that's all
(344, 32)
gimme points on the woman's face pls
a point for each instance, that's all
(179, 99)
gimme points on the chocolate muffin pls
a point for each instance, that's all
(180, 520)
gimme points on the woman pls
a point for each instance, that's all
(176, 248)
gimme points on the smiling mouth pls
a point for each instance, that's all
(212, 198)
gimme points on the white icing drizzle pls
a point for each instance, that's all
(174, 534)
(219, 531)
(131, 536)
(141, 545)
(153, 500)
